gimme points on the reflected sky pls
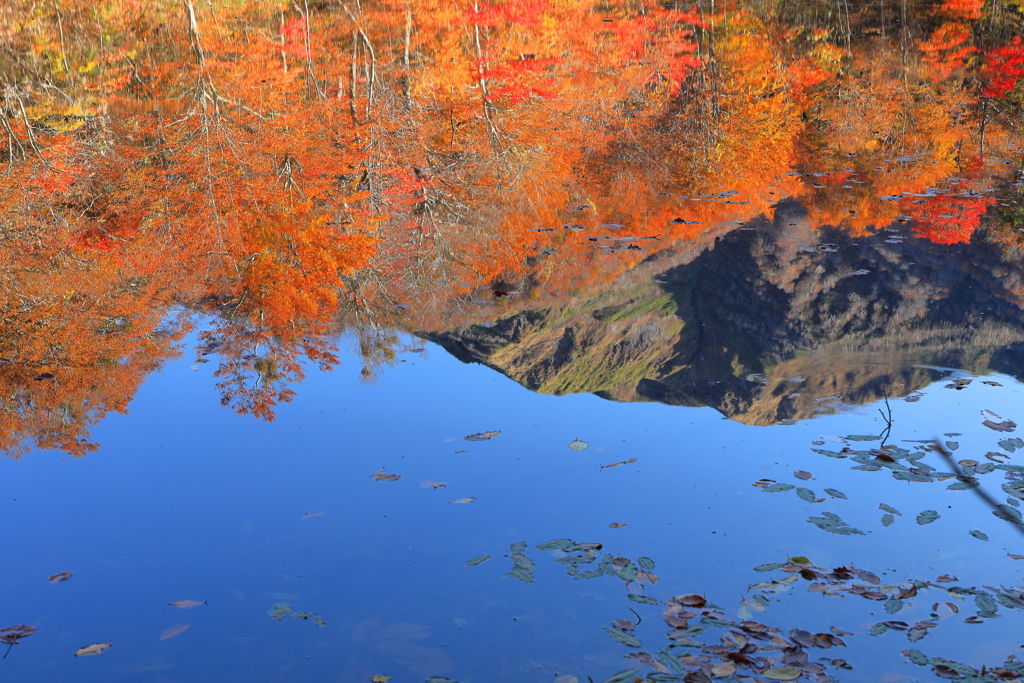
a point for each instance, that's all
(183, 502)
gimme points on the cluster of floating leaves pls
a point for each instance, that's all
(282, 611)
(748, 648)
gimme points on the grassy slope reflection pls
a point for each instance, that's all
(764, 302)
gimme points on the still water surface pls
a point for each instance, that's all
(184, 502)
(514, 341)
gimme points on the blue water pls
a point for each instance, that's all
(187, 501)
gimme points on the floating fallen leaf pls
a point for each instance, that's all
(482, 436)
(616, 464)
(432, 484)
(310, 617)
(478, 560)
(463, 500)
(806, 494)
(380, 679)
(627, 639)
(94, 649)
(384, 476)
(616, 525)
(188, 604)
(578, 445)
(623, 676)
(800, 474)
(946, 578)
(927, 517)
(723, 669)
(279, 611)
(174, 631)
(310, 515)
(781, 673)
(63, 576)
(1004, 426)
(12, 634)
(1015, 557)
(980, 535)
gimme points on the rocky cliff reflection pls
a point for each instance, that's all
(774, 321)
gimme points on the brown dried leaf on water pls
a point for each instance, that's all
(62, 576)
(310, 515)
(1015, 557)
(380, 679)
(997, 457)
(616, 525)
(690, 600)
(1000, 426)
(188, 604)
(802, 637)
(764, 483)
(865, 575)
(482, 436)
(94, 649)
(947, 578)
(616, 464)
(800, 474)
(174, 631)
(623, 625)
(993, 384)
(384, 476)
(12, 634)
(427, 484)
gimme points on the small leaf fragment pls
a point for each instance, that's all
(480, 559)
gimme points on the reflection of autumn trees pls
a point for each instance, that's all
(298, 170)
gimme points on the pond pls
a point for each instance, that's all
(512, 341)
